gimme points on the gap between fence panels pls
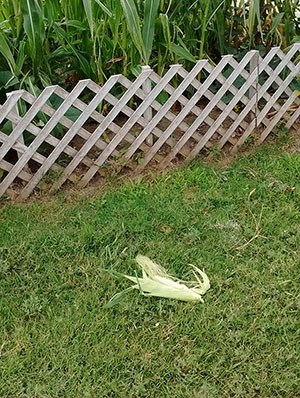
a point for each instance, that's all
(124, 126)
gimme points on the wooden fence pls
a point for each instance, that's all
(59, 136)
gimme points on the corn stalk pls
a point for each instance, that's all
(60, 41)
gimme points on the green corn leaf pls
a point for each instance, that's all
(150, 15)
(69, 48)
(117, 297)
(254, 14)
(21, 57)
(78, 25)
(219, 25)
(29, 23)
(182, 53)
(89, 14)
(6, 52)
(276, 21)
(134, 26)
(104, 8)
(164, 21)
(33, 22)
(257, 13)
(6, 76)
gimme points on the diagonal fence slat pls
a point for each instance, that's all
(276, 95)
(192, 102)
(239, 94)
(183, 101)
(37, 142)
(24, 175)
(72, 132)
(130, 123)
(101, 128)
(279, 115)
(160, 114)
(210, 105)
(209, 95)
(50, 139)
(37, 157)
(130, 138)
(142, 121)
(24, 122)
(278, 79)
(293, 119)
(10, 104)
(64, 121)
(261, 91)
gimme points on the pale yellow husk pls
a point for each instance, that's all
(156, 282)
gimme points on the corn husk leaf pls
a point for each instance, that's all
(156, 282)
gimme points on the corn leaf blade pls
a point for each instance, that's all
(150, 14)
(134, 26)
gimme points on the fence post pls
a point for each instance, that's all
(254, 65)
(147, 87)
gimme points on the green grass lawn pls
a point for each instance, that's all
(56, 340)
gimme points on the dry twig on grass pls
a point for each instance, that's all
(257, 230)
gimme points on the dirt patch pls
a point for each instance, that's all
(293, 145)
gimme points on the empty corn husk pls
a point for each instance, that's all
(156, 282)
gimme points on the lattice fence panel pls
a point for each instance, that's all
(60, 137)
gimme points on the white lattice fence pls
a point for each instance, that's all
(76, 136)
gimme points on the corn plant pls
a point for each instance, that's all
(59, 41)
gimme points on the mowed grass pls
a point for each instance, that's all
(57, 340)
